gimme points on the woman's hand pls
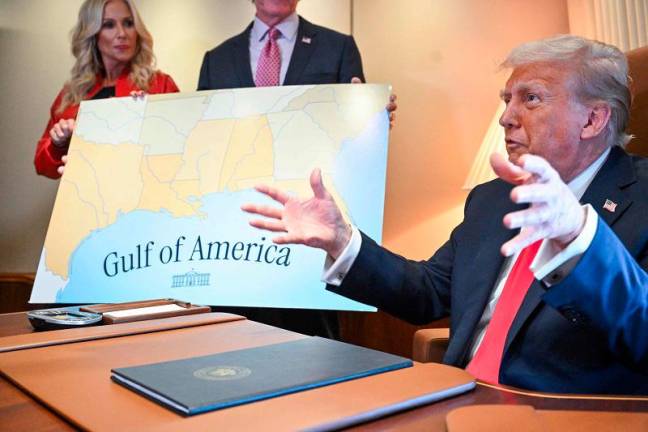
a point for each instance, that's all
(138, 94)
(61, 169)
(61, 132)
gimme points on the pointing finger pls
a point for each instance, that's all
(520, 241)
(274, 193)
(269, 225)
(538, 166)
(316, 184)
(506, 170)
(532, 193)
(262, 210)
(531, 216)
(288, 239)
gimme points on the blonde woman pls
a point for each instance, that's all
(114, 57)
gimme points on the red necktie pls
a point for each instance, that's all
(485, 365)
(269, 65)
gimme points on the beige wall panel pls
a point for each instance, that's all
(442, 58)
(35, 62)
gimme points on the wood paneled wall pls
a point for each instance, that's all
(15, 289)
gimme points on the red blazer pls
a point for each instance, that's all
(48, 156)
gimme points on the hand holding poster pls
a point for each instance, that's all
(149, 205)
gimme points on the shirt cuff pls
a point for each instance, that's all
(335, 270)
(551, 265)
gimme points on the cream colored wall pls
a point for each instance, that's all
(442, 58)
(35, 61)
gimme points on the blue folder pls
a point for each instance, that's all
(200, 384)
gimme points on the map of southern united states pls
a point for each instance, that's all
(163, 156)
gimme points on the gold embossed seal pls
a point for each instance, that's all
(222, 373)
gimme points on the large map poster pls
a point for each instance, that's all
(149, 205)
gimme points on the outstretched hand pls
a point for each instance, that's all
(554, 213)
(315, 222)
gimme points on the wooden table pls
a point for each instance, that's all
(18, 411)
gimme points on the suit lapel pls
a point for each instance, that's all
(242, 58)
(616, 173)
(305, 44)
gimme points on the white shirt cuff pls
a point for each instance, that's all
(551, 265)
(335, 270)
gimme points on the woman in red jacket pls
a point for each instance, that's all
(114, 57)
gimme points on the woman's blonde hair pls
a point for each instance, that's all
(88, 59)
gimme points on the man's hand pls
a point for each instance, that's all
(61, 132)
(391, 107)
(554, 214)
(315, 222)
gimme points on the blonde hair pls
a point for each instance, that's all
(88, 62)
(601, 71)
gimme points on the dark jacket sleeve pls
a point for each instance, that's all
(203, 79)
(415, 291)
(610, 289)
(351, 65)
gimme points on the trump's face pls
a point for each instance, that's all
(272, 12)
(543, 116)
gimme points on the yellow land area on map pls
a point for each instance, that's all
(172, 171)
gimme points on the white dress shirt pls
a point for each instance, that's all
(550, 265)
(286, 41)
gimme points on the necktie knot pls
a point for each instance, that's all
(274, 33)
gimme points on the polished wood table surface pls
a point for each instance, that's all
(18, 411)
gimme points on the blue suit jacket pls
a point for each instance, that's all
(586, 334)
(320, 56)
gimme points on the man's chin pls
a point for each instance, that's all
(513, 156)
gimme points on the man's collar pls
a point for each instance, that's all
(582, 181)
(287, 27)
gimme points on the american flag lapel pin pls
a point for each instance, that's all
(306, 40)
(610, 205)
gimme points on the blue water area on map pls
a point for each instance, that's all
(361, 183)
(230, 282)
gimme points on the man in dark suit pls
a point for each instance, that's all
(564, 306)
(309, 54)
